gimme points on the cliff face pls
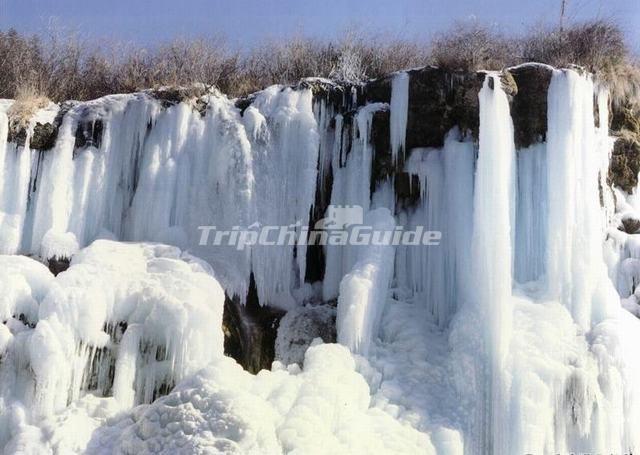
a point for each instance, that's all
(438, 101)
(501, 336)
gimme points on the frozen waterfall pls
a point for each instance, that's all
(516, 332)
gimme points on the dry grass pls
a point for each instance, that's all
(63, 67)
(471, 46)
(27, 102)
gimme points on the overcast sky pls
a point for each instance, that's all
(247, 22)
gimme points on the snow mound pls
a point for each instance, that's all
(125, 320)
(223, 409)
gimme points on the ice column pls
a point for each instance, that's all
(574, 252)
(492, 253)
(399, 110)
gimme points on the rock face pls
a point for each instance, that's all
(44, 136)
(438, 101)
(529, 103)
(625, 162)
(89, 133)
(625, 159)
(250, 331)
(299, 327)
(58, 264)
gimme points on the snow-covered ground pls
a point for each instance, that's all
(508, 337)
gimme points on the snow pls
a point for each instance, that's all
(122, 321)
(61, 245)
(224, 409)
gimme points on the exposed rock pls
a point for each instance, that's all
(17, 134)
(438, 101)
(529, 104)
(625, 162)
(338, 95)
(629, 225)
(194, 94)
(169, 96)
(299, 327)
(44, 136)
(378, 90)
(625, 117)
(509, 85)
(244, 102)
(407, 189)
(58, 264)
(250, 331)
(89, 133)
(382, 165)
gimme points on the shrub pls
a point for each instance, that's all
(63, 67)
(472, 46)
(27, 102)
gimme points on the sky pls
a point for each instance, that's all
(246, 23)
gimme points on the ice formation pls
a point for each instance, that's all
(516, 334)
(363, 291)
(399, 107)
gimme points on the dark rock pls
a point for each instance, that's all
(625, 117)
(334, 94)
(529, 104)
(89, 133)
(250, 331)
(25, 320)
(44, 136)
(382, 165)
(169, 96)
(195, 94)
(58, 264)
(438, 101)
(244, 102)
(299, 327)
(17, 134)
(509, 85)
(625, 162)
(378, 90)
(629, 225)
(407, 189)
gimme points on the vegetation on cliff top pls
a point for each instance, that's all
(62, 66)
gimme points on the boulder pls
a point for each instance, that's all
(299, 327)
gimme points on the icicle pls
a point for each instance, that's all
(437, 274)
(351, 188)
(575, 224)
(363, 291)
(491, 254)
(532, 214)
(399, 110)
